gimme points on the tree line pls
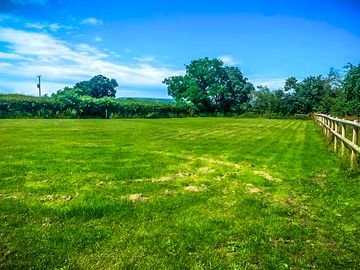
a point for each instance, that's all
(213, 87)
(208, 87)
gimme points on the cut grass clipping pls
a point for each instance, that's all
(203, 193)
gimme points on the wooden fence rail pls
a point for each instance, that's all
(335, 129)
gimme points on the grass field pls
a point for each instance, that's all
(201, 193)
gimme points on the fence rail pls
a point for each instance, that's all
(335, 129)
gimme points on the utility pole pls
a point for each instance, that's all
(39, 85)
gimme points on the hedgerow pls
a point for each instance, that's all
(18, 106)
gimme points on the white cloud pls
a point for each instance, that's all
(54, 27)
(11, 56)
(115, 54)
(228, 60)
(272, 83)
(32, 53)
(5, 65)
(98, 38)
(92, 21)
(146, 58)
(38, 26)
(8, 17)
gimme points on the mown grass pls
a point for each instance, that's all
(202, 193)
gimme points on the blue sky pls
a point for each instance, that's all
(139, 43)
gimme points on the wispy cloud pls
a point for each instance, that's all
(35, 25)
(146, 58)
(11, 56)
(54, 27)
(272, 83)
(92, 21)
(98, 38)
(228, 60)
(29, 53)
(7, 17)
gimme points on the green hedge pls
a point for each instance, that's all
(13, 106)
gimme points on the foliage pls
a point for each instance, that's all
(210, 86)
(15, 105)
(309, 94)
(314, 93)
(68, 103)
(352, 89)
(265, 101)
(97, 87)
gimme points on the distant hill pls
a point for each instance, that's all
(147, 99)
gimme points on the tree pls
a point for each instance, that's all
(177, 86)
(98, 87)
(351, 89)
(334, 79)
(310, 94)
(68, 91)
(68, 99)
(210, 86)
(236, 91)
(290, 84)
(84, 88)
(262, 100)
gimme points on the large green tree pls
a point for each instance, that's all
(210, 86)
(98, 87)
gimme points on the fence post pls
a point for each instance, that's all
(328, 128)
(354, 141)
(335, 138)
(325, 126)
(343, 130)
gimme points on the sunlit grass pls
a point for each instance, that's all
(202, 193)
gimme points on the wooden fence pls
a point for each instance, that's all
(339, 132)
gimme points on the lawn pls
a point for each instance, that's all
(195, 193)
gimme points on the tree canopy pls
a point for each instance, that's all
(211, 86)
(351, 89)
(97, 87)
